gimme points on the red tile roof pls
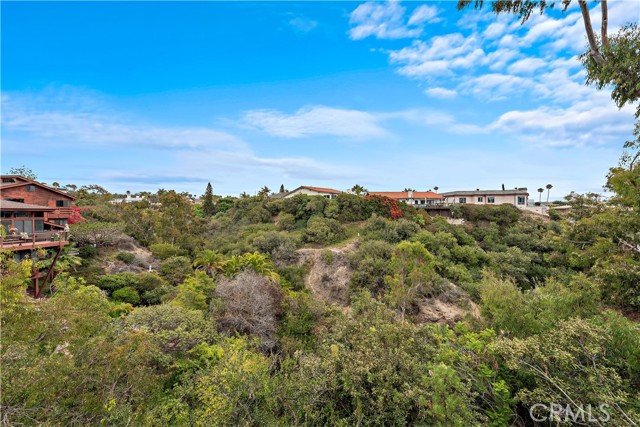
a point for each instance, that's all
(405, 194)
(321, 189)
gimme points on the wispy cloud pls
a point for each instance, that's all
(67, 120)
(441, 92)
(389, 21)
(303, 24)
(316, 121)
(79, 122)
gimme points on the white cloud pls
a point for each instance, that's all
(423, 14)
(316, 120)
(526, 66)
(387, 20)
(69, 121)
(82, 123)
(303, 24)
(589, 122)
(440, 92)
(441, 55)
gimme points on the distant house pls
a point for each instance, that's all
(418, 199)
(128, 199)
(517, 197)
(329, 193)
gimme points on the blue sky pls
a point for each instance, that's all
(147, 95)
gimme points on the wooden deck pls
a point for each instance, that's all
(46, 239)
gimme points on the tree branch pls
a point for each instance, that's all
(603, 30)
(595, 53)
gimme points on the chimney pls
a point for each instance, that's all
(410, 194)
(502, 187)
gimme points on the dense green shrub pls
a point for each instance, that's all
(503, 215)
(286, 221)
(371, 264)
(126, 257)
(163, 251)
(293, 276)
(327, 256)
(113, 282)
(280, 246)
(323, 231)
(87, 251)
(379, 228)
(175, 269)
(127, 295)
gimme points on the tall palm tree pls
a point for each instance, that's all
(540, 190)
(436, 188)
(211, 262)
(549, 187)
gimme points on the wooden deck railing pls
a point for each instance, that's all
(22, 241)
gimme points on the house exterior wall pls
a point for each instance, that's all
(40, 196)
(499, 199)
(309, 192)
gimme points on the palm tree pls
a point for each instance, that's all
(211, 262)
(436, 188)
(540, 190)
(549, 187)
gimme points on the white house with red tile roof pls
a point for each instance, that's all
(418, 199)
(329, 193)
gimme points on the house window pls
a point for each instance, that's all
(480, 199)
(491, 199)
(39, 225)
(415, 202)
(521, 200)
(6, 180)
(62, 203)
(462, 200)
(10, 199)
(31, 188)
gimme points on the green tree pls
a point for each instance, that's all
(23, 171)
(359, 190)
(207, 203)
(413, 275)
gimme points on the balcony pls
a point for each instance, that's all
(30, 241)
(61, 213)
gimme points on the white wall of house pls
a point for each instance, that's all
(517, 200)
(310, 193)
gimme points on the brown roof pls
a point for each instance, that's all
(26, 181)
(405, 194)
(9, 205)
(319, 189)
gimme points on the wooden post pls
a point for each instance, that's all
(50, 272)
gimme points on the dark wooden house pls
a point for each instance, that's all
(34, 216)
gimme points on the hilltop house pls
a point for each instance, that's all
(417, 199)
(517, 197)
(30, 206)
(34, 216)
(329, 193)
